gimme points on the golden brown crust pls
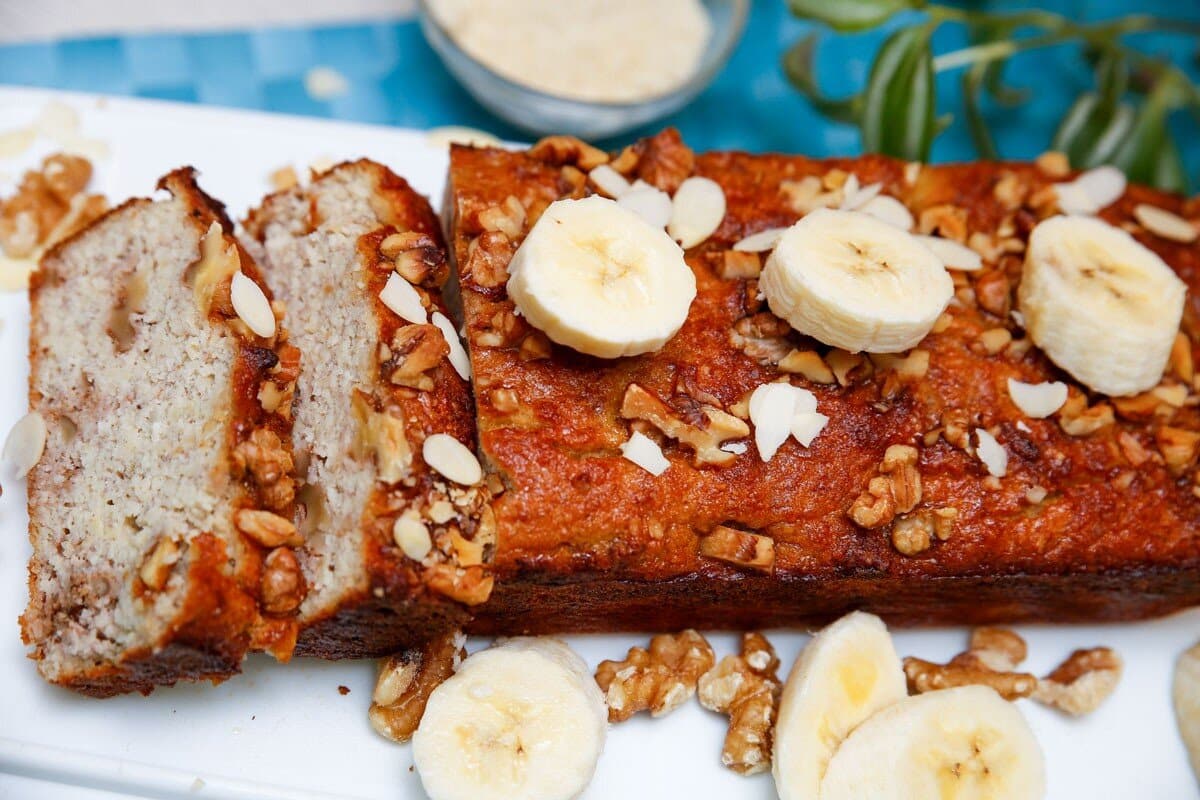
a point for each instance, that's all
(588, 541)
(220, 613)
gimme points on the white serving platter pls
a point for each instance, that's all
(287, 732)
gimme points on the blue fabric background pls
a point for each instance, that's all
(396, 79)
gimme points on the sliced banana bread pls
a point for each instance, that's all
(160, 511)
(395, 547)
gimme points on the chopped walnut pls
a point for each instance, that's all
(664, 161)
(808, 194)
(382, 435)
(1178, 447)
(627, 161)
(993, 292)
(712, 427)
(264, 458)
(914, 533)
(156, 569)
(417, 257)
(1077, 419)
(535, 346)
(947, 221)
(998, 648)
(762, 337)
(746, 687)
(1181, 362)
(875, 507)
(416, 349)
(568, 150)
(505, 401)
(1081, 683)
(48, 206)
(507, 218)
(742, 548)
(269, 530)
(659, 679)
(994, 340)
(487, 260)
(470, 586)
(848, 367)
(282, 586)
(1053, 164)
(407, 679)
(737, 265)
(500, 331)
(1010, 191)
(991, 659)
(809, 364)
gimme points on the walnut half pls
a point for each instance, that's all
(746, 687)
(659, 679)
(407, 679)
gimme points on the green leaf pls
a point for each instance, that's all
(798, 66)
(850, 15)
(900, 101)
(1091, 131)
(981, 32)
(1149, 153)
(973, 79)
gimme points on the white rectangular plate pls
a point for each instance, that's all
(286, 732)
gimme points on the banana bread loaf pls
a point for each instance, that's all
(160, 509)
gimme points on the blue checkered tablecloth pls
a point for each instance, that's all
(396, 79)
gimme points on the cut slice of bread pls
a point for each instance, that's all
(395, 551)
(159, 506)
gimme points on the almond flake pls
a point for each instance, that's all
(400, 296)
(609, 181)
(1165, 224)
(25, 443)
(737, 448)
(1037, 400)
(780, 410)
(696, 211)
(648, 202)
(852, 201)
(760, 242)
(953, 255)
(890, 210)
(645, 452)
(991, 453)
(458, 356)
(452, 459)
(412, 535)
(1093, 190)
(252, 306)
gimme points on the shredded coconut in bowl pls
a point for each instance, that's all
(609, 51)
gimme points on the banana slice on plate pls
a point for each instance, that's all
(522, 719)
(1101, 305)
(855, 282)
(1185, 692)
(845, 674)
(596, 277)
(966, 743)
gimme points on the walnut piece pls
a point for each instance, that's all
(1179, 447)
(383, 435)
(746, 687)
(48, 206)
(762, 337)
(714, 426)
(156, 569)
(1077, 419)
(470, 586)
(895, 490)
(659, 679)
(741, 548)
(507, 218)
(568, 150)
(282, 586)
(807, 363)
(1081, 683)
(991, 659)
(267, 462)
(266, 528)
(416, 349)
(407, 679)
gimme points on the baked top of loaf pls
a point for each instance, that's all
(1105, 486)
(374, 387)
(149, 385)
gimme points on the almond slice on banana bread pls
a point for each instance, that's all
(160, 511)
(395, 547)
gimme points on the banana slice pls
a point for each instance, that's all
(1186, 694)
(844, 675)
(855, 282)
(966, 743)
(522, 719)
(1101, 305)
(596, 277)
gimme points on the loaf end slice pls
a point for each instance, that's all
(168, 438)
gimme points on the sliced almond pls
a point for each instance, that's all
(609, 181)
(696, 211)
(1037, 400)
(890, 210)
(252, 306)
(404, 300)
(25, 443)
(645, 452)
(991, 453)
(412, 535)
(954, 255)
(458, 355)
(648, 202)
(1092, 191)
(809, 364)
(1165, 224)
(452, 459)
(760, 242)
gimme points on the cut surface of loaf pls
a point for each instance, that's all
(149, 387)
(1097, 517)
(394, 550)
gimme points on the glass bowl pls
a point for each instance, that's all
(541, 113)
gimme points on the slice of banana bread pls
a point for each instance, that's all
(395, 549)
(160, 509)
